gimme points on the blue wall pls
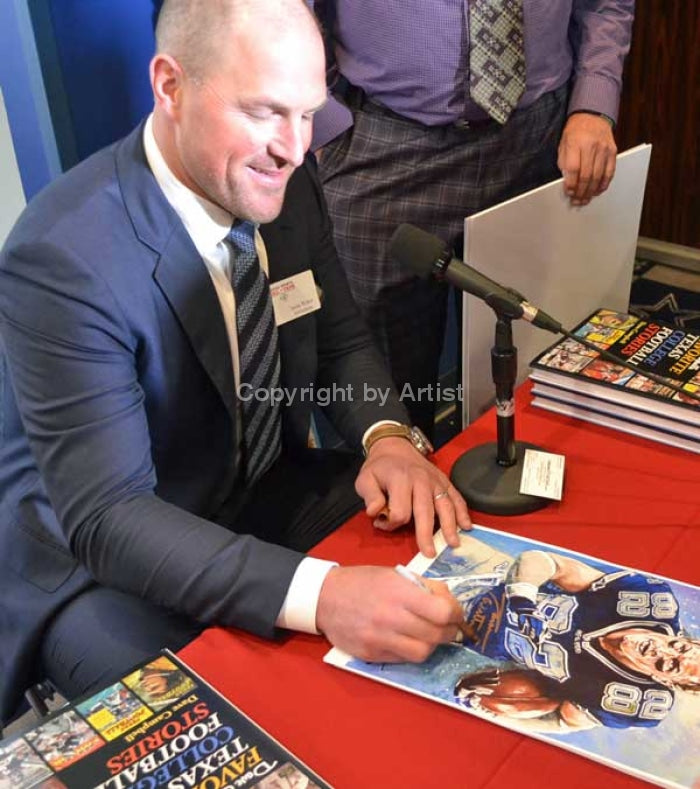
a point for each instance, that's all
(74, 74)
(22, 88)
(103, 49)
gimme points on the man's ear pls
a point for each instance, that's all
(167, 79)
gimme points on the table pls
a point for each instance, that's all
(627, 500)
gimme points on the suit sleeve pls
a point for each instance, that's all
(74, 368)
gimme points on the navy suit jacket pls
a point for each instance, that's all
(118, 430)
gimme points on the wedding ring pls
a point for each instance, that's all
(440, 495)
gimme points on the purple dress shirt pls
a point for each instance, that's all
(412, 56)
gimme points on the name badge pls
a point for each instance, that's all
(294, 296)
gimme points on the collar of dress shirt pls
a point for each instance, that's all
(206, 223)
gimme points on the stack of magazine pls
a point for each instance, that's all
(573, 379)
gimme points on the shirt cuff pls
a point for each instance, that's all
(298, 611)
(595, 94)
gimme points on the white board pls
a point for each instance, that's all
(11, 193)
(567, 261)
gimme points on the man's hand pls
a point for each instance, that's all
(397, 482)
(586, 157)
(375, 614)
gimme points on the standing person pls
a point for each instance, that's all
(416, 144)
(153, 460)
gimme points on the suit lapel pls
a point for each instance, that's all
(185, 282)
(180, 272)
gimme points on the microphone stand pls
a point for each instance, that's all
(488, 475)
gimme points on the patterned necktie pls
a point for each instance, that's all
(258, 353)
(496, 55)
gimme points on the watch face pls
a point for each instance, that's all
(420, 441)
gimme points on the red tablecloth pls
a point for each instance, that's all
(627, 500)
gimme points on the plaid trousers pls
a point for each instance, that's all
(386, 170)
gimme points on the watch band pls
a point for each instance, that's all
(412, 434)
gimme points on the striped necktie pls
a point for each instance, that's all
(496, 55)
(258, 353)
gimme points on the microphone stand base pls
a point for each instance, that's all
(491, 488)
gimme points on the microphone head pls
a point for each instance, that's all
(416, 249)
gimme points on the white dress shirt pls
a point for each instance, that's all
(208, 225)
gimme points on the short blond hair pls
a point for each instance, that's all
(195, 32)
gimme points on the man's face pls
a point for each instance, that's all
(667, 659)
(241, 130)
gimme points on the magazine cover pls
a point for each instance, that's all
(646, 346)
(586, 655)
(161, 726)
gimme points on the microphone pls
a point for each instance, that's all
(427, 256)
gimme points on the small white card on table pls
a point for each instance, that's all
(543, 474)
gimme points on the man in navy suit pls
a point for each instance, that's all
(128, 520)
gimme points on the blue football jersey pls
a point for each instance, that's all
(570, 655)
